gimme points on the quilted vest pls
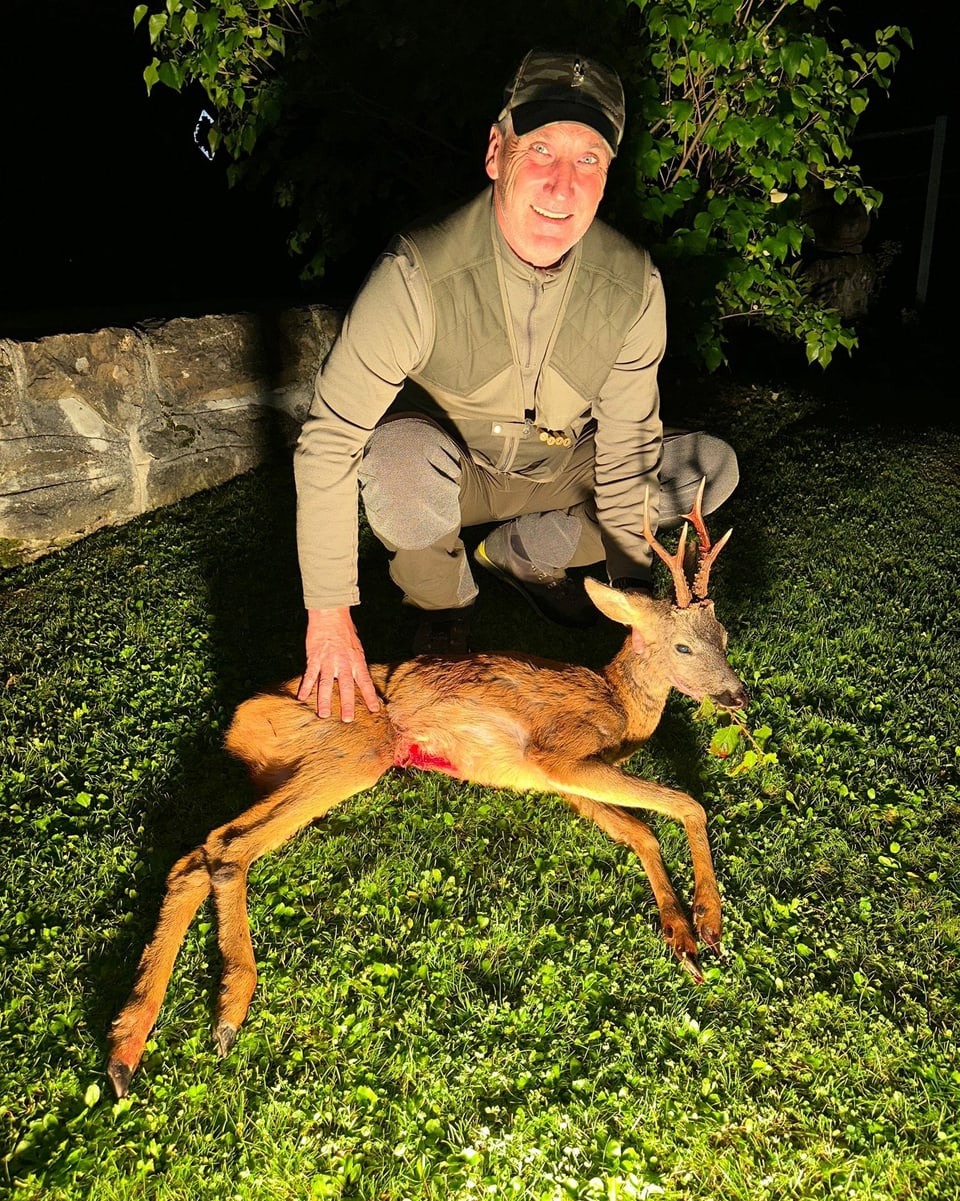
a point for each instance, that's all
(469, 374)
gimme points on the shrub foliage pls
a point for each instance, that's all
(361, 117)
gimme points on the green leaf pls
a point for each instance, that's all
(678, 26)
(725, 741)
(169, 75)
(681, 110)
(139, 13)
(793, 57)
(156, 25)
(746, 764)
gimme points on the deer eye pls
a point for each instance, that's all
(682, 649)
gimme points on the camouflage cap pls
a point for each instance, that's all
(550, 85)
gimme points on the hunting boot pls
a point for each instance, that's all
(551, 593)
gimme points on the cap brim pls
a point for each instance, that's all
(533, 114)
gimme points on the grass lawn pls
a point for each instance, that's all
(463, 993)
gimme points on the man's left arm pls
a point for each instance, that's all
(629, 441)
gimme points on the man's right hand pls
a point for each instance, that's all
(334, 653)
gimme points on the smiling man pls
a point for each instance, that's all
(547, 186)
(499, 366)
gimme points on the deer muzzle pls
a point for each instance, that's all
(732, 698)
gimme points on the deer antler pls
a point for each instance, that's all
(707, 555)
(707, 552)
(674, 562)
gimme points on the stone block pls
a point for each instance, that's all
(96, 428)
(68, 403)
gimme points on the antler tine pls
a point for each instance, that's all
(707, 554)
(702, 577)
(674, 562)
(696, 516)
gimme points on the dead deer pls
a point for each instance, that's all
(506, 720)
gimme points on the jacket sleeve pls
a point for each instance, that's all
(379, 344)
(629, 440)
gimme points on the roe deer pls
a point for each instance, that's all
(507, 720)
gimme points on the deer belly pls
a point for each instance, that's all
(487, 750)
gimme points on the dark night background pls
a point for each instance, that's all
(111, 214)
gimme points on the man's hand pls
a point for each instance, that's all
(334, 653)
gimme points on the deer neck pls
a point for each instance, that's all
(641, 691)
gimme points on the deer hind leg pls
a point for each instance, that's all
(313, 764)
(344, 759)
(187, 887)
(594, 780)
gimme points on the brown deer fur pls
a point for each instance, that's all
(510, 721)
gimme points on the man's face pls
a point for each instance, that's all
(547, 186)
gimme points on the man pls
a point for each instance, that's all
(500, 366)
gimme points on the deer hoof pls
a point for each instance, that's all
(712, 939)
(706, 918)
(224, 1036)
(691, 964)
(120, 1075)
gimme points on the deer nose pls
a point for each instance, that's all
(737, 698)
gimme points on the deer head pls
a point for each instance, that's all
(682, 641)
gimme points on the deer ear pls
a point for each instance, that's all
(628, 608)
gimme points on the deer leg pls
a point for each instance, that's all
(313, 764)
(624, 828)
(598, 781)
(187, 886)
(352, 759)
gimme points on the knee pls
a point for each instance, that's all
(410, 480)
(406, 440)
(692, 813)
(721, 469)
(688, 459)
(225, 875)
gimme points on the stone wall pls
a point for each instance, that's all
(97, 428)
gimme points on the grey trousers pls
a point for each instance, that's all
(419, 490)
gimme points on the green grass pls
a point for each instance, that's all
(464, 993)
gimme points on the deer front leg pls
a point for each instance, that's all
(598, 781)
(187, 886)
(677, 932)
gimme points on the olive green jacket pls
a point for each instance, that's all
(451, 323)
